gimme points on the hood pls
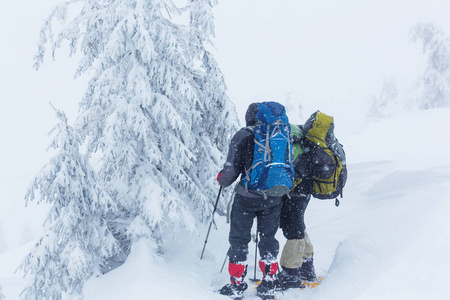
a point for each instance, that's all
(250, 115)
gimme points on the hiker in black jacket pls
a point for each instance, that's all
(296, 260)
(246, 206)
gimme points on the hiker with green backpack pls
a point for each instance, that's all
(260, 155)
(321, 172)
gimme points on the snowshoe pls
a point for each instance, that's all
(307, 271)
(234, 291)
(287, 281)
(266, 288)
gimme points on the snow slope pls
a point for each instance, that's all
(387, 240)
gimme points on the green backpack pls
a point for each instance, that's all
(325, 163)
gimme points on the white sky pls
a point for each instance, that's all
(324, 51)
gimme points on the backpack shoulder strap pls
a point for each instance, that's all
(250, 129)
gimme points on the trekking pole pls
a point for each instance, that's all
(256, 255)
(224, 261)
(212, 220)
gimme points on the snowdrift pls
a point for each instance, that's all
(387, 240)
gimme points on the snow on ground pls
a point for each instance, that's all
(387, 240)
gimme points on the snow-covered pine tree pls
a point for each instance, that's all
(155, 110)
(435, 82)
(1, 295)
(77, 240)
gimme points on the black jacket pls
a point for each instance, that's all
(240, 155)
(239, 159)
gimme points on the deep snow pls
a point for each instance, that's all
(387, 240)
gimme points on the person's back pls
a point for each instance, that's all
(249, 204)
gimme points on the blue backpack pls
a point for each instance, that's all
(272, 172)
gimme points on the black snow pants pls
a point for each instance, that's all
(267, 213)
(292, 220)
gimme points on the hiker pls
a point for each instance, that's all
(250, 203)
(296, 260)
(320, 171)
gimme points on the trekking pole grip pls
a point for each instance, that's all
(212, 220)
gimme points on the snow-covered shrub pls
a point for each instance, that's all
(388, 97)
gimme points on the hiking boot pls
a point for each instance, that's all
(288, 281)
(266, 289)
(307, 271)
(234, 290)
(267, 286)
(237, 287)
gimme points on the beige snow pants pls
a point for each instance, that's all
(295, 251)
